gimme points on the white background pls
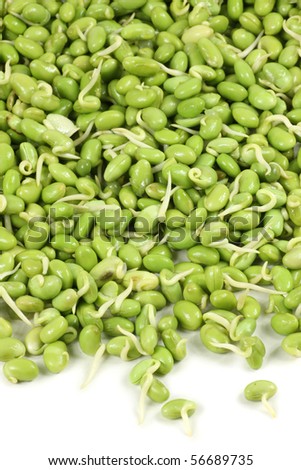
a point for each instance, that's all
(53, 417)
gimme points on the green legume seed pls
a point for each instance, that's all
(284, 323)
(115, 347)
(157, 391)
(149, 339)
(188, 315)
(256, 390)
(138, 371)
(111, 325)
(117, 167)
(174, 343)
(20, 370)
(179, 408)
(153, 297)
(164, 356)
(89, 339)
(54, 330)
(11, 348)
(29, 304)
(214, 335)
(33, 343)
(28, 48)
(56, 357)
(155, 263)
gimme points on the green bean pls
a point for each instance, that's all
(89, 339)
(261, 390)
(20, 370)
(11, 348)
(179, 408)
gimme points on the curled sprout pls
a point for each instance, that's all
(211, 151)
(176, 278)
(86, 286)
(285, 97)
(231, 210)
(259, 277)
(45, 264)
(26, 168)
(125, 350)
(9, 273)
(182, 11)
(104, 308)
(259, 62)
(9, 301)
(235, 189)
(247, 285)
(232, 347)
(233, 325)
(284, 214)
(217, 319)
(241, 300)
(25, 20)
(265, 207)
(259, 156)
(288, 228)
(81, 34)
(180, 408)
(127, 21)
(264, 399)
(252, 46)
(165, 200)
(224, 243)
(95, 76)
(141, 123)
(282, 172)
(147, 380)
(84, 136)
(94, 366)
(180, 346)
(124, 295)
(4, 77)
(185, 417)
(227, 130)
(172, 72)
(117, 301)
(289, 31)
(279, 118)
(109, 50)
(132, 137)
(44, 157)
(195, 174)
(77, 197)
(151, 313)
(134, 340)
(186, 129)
(158, 168)
(293, 242)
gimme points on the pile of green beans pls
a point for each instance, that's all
(132, 132)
